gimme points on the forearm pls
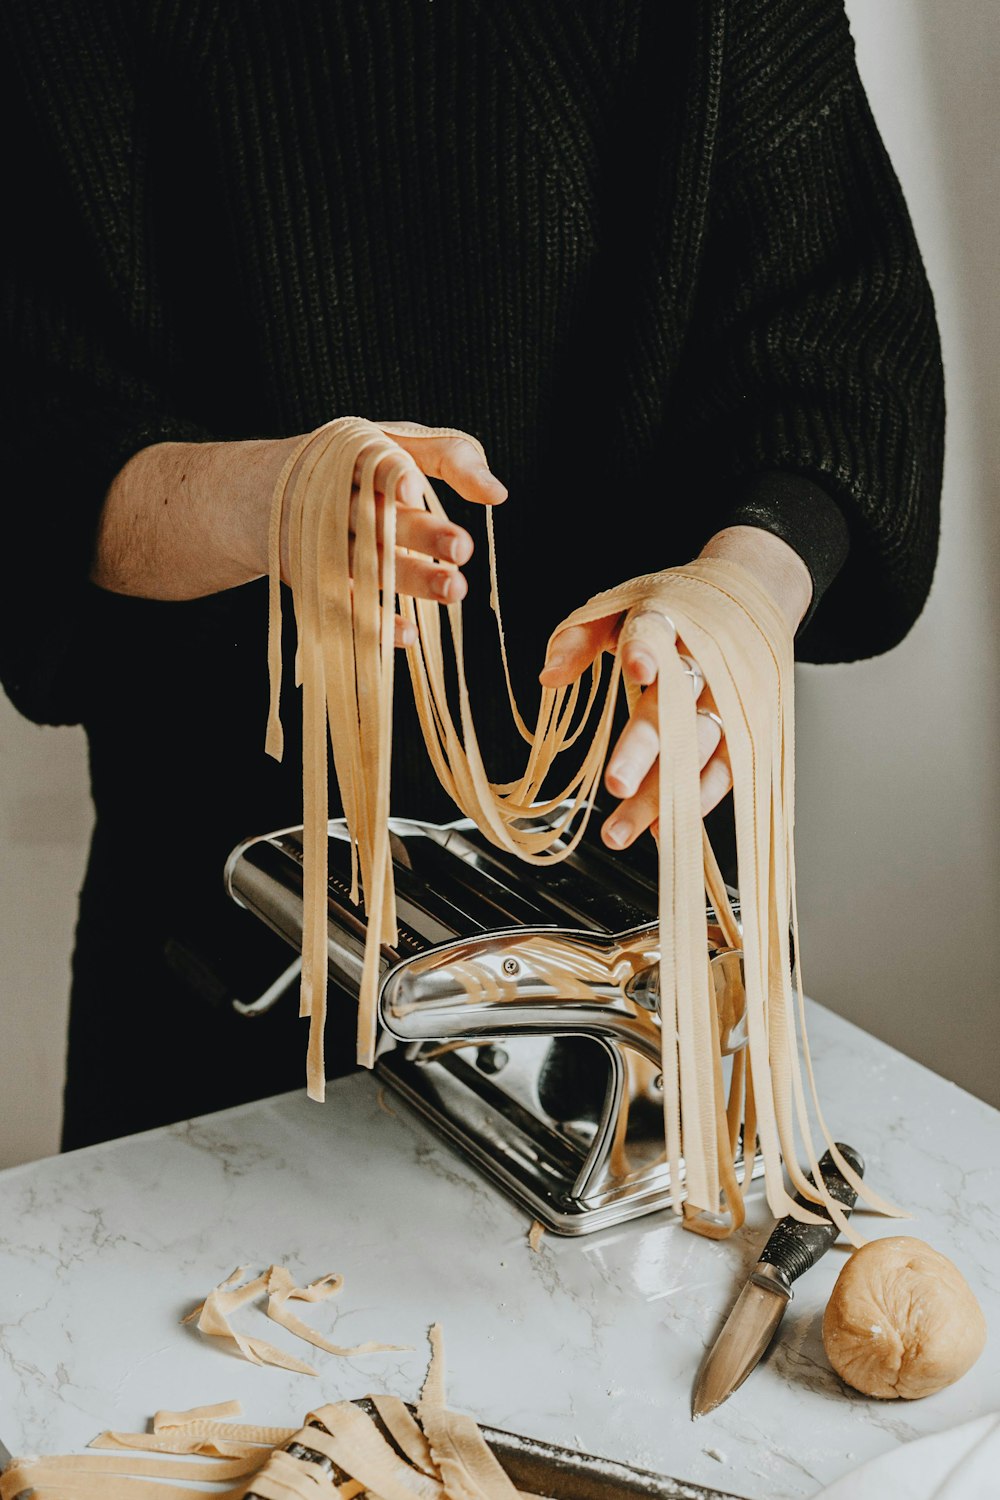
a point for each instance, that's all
(182, 520)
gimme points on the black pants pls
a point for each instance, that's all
(175, 721)
(153, 1035)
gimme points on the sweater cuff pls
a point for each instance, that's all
(804, 515)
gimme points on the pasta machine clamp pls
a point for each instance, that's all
(518, 1007)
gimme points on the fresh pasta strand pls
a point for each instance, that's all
(213, 1317)
(744, 648)
(339, 1453)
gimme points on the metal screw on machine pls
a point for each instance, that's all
(492, 1060)
(511, 966)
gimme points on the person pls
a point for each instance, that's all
(654, 258)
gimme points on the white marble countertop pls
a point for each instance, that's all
(591, 1343)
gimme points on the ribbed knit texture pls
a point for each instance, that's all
(652, 254)
(643, 251)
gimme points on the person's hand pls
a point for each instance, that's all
(442, 547)
(631, 773)
(182, 520)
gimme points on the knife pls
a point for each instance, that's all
(791, 1249)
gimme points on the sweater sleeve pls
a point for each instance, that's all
(84, 359)
(817, 406)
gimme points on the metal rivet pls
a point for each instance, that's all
(490, 1059)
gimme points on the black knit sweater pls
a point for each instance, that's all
(652, 254)
(649, 252)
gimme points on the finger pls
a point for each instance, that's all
(428, 580)
(716, 780)
(402, 468)
(709, 736)
(458, 462)
(642, 635)
(419, 531)
(637, 749)
(405, 632)
(640, 812)
(573, 649)
(421, 577)
(692, 672)
(638, 746)
(634, 815)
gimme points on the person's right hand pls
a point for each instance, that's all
(182, 520)
(433, 551)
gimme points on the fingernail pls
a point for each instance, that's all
(411, 489)
(556, 662)
(446, 585)
(494, 484)
(643, 668)
(625, 779)
(458, 549)
(616, 832)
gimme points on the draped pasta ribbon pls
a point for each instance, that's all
(345, 662)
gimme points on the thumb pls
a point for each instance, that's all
(572, 650)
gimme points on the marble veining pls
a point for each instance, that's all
(589, 1343)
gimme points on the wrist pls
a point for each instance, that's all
(776, 566)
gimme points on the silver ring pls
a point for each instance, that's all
(695, 673)
(635, 615)
(706, 713)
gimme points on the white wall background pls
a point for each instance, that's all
(898, 821)
(45, 820)
(899, 762)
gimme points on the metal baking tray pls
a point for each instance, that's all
(548, 1472)
(562, 1474)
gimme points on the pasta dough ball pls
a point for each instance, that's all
(902, 1320)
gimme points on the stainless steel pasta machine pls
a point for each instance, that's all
(518, 1009)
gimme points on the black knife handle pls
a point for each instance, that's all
(793, 1246)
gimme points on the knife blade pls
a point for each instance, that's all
(791, 1249)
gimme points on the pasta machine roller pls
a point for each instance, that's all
(518, 1008)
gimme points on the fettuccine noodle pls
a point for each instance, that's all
(344, 614)
(341, 1452)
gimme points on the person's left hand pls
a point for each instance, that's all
(631, 773)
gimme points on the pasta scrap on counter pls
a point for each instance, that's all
(212, 1316)
(339, 1451)
(712, 608)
